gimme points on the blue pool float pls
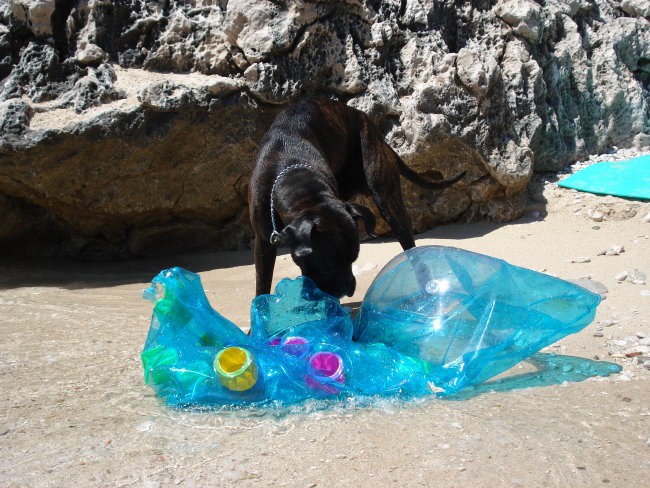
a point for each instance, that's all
(434, 321)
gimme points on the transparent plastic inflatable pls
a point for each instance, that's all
(435, 320)
(300, 347)
(469, 316)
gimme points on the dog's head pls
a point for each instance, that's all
(325, 243)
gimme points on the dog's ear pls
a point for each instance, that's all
(363, 213)
(298, 236)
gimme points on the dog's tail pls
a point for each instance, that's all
(414, 177)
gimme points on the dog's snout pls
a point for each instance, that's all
(338, 288)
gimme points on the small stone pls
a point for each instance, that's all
(646, 219)
(595, 215)
(607, 323)
(90, 54)
(4, 430)
(637, 351)
(598, 334)
(581, 259)
(614, 250)
(645, 341)
(622, 276)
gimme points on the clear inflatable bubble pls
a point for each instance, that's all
(469, 316)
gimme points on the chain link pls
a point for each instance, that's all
(275, 235)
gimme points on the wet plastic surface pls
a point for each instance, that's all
(435, 320)
(468, 315)
(300, 347)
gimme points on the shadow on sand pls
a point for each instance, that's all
(550, 369)
(75, 274)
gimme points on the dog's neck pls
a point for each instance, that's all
(275, 234)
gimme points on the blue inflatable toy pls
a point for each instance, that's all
(434, 321)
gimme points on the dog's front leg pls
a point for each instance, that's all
(264, 255)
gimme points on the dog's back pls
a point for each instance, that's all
(316, 129)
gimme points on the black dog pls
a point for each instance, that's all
(316, 156)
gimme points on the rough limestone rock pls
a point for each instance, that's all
(35, 14)
(129, 127)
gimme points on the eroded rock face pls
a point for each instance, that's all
(129, 127)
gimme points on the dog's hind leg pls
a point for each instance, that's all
(381, 169)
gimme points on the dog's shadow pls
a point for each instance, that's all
(550, 369)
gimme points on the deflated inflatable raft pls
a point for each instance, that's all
(434, 321)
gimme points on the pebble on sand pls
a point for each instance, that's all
(622, 276)
(637, 351)
(607, 322)
(581, 259)
(614, 250)
(595, 215)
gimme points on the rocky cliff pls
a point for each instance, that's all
(129, 127)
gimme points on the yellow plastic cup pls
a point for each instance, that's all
(236, 368)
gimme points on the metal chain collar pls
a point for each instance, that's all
(275, 235)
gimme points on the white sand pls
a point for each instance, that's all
(76, 412)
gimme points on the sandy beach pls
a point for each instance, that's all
(75, 410)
